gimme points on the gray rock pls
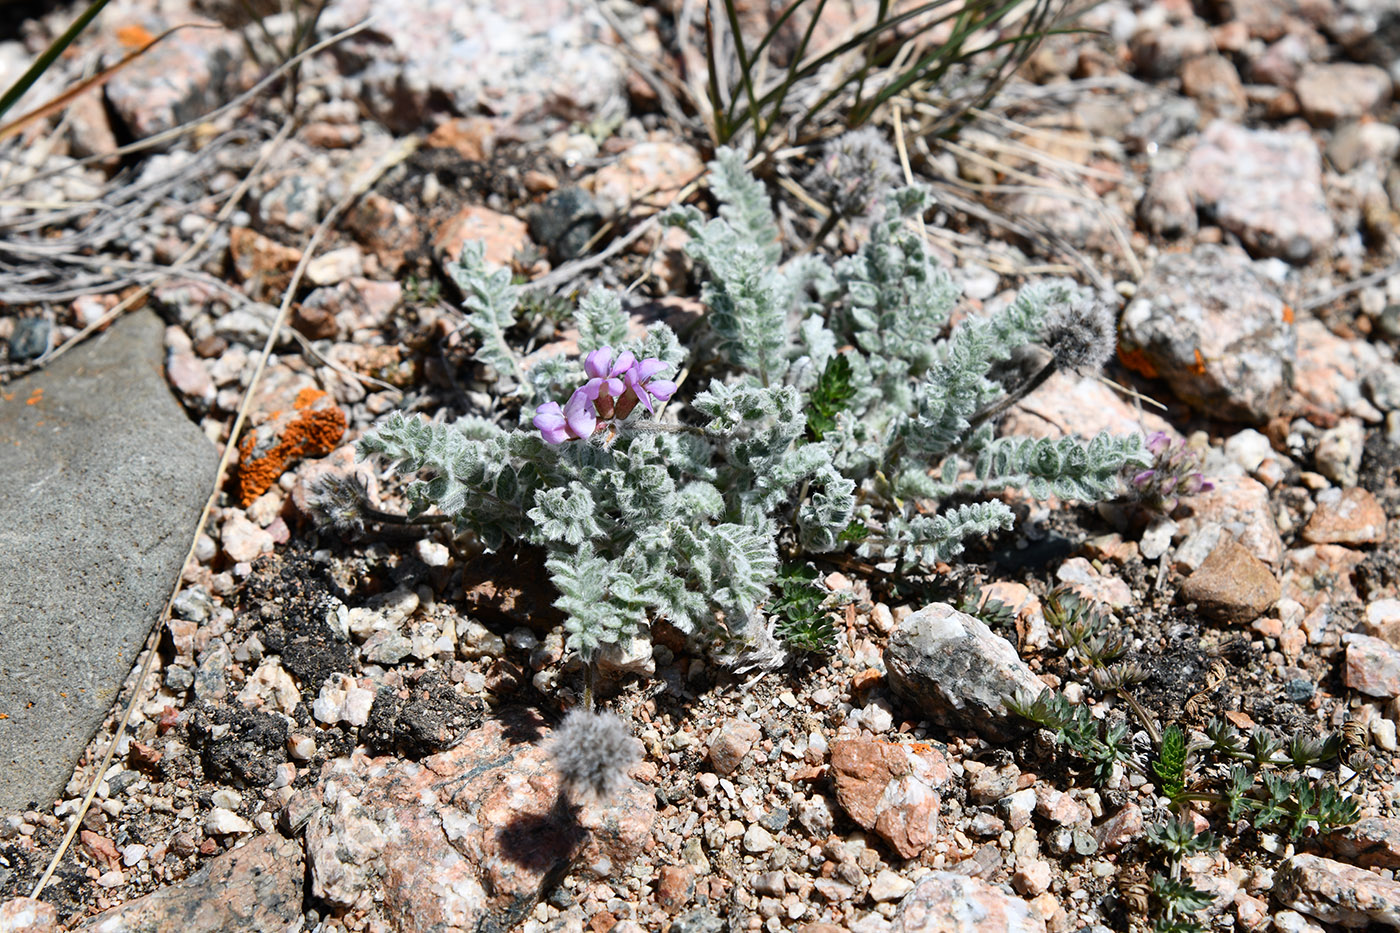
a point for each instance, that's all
(1337, 893)
(101, 481)
(475, 55)
(1161, 125)
(30, 338)
(565, 221)
(697, 921)
(254, 887)
(1167, 208)
(1206, 323)
(193, 604)
(957, 671)
(210, 680)
(1265, 187)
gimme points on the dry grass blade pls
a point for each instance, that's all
(88, 84)
(230, 205)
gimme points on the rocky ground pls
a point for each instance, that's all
(331, 734)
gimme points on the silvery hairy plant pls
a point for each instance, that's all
(828, 408)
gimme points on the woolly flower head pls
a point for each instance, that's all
(337, 502)
(1081, 334)
(855, 171)
(592, 752)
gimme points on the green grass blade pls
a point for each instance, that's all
(788, 79)
(49, 56)
(745, 64)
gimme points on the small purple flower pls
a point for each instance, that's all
(1174, 474)
(613, 389)
(645, 388)
(577, 419)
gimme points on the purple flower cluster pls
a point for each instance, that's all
(613, 389)
(1175, 473)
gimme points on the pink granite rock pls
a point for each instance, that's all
(1330, 371)
(27, 915)
(1337, 893)
(257, 886)
(1265, 186)
(1372, 666)
(891, 788)
(1371, 842)
(1239, 506)
(1346, 516)
(466, 838)
(1071, 404)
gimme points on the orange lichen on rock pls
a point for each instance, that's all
(312, 428)
(1136, 360)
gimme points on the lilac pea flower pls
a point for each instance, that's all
(580, 411)
(645, 388)
(577, 419)
(601, 368)
(549, 418)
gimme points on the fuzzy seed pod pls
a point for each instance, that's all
(1081, 335)
(855, 171)
(592, 752)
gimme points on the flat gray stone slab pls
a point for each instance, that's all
(102, 476)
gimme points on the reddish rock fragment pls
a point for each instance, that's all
(730, 743)
(503, 235)
(674, 886)
(1232, 585)
(1346, 516)
(261, 261)
(891, 788)
(1121, 828)
(253, 887)
(387, 229)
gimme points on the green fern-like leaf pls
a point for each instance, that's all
(1170, 765)
(801, 622)
(829, 397)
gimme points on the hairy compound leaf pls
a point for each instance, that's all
(490, 300)
(601, 321)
